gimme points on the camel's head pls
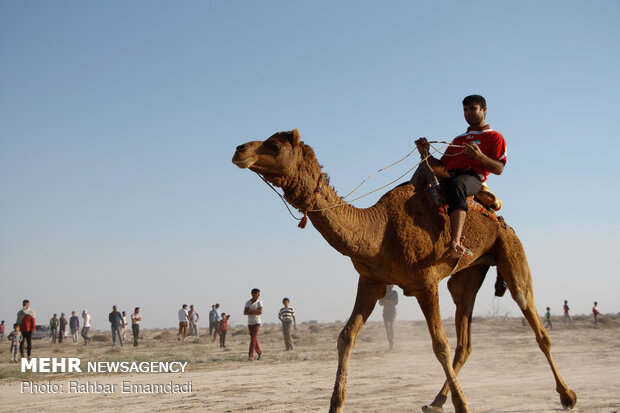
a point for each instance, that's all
(278, 155)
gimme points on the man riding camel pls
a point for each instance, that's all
(469, 160)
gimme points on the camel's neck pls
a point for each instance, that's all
(353, 232)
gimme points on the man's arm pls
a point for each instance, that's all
(473, 151)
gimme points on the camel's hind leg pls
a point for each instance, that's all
(464, 287)
(512, 264)
(429, 303)
(368, 292)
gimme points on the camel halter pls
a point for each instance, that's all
(324, 180)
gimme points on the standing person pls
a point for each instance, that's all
(183, 319)
(86, 326)
(74, 326)
(389, 312)
(193, 322)
(2, 331)
(567, 317)
(217, 317)
(135, 325)
(63, 326)
(595, 313)
(223, 329)
(15, 337)
(287, 317)
(548, 319)
(54, 323)
(116, 324)
(471, 157)
(124, 324)
(253, 309)
(27, 326)
(212, 325)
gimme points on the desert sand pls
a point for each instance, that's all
(505, 373)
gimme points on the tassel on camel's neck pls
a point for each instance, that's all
(323, 180)
(304, 221)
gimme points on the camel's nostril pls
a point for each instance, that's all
(240, 147)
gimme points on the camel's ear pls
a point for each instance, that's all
(295, 137)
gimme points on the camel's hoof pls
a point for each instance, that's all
(568, 400)
(431, 409)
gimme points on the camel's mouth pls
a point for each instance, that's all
(243, 163)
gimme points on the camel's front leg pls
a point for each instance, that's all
(463, 286)
(429, 303)
(368, 292)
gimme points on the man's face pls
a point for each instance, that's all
(256, 295)
(26, 304)
(114, 308)
(474, 114)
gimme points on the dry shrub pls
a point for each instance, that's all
(165, 335)
(100, 338)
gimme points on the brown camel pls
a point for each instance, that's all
(402, 241)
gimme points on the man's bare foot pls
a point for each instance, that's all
(459, 250)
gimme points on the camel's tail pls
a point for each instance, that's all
(500, 285)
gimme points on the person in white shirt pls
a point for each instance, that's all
(183, 319)
(86, 326)
(135, 325)
(253, 309)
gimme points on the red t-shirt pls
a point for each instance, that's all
(223, 324)
(491, 143)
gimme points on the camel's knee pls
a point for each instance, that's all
(345, 339)
(441, 348)
(543, 341)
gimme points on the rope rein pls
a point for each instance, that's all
(324, 180)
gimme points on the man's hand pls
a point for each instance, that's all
(473, 151)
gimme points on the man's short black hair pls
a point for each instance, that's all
(255, 290)
(475, 99)
(285, 299)
(25, 301)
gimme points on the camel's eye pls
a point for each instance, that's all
(273, 146)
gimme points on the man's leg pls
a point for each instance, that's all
(29, 342)
(135, 328)
(113, 337)
(253, 330)
(458, 189)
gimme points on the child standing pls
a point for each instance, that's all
(595, 313)
(15, 337)
(548, 319)
(287, 317)
(222, 329)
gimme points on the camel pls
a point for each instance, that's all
(401, 240)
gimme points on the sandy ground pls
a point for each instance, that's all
(506, 372)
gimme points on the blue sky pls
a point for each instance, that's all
(118, 122)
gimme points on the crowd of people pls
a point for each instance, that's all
(25, 327)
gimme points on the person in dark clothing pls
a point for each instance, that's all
(116, 323)
(74, 326)
(62, 327)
